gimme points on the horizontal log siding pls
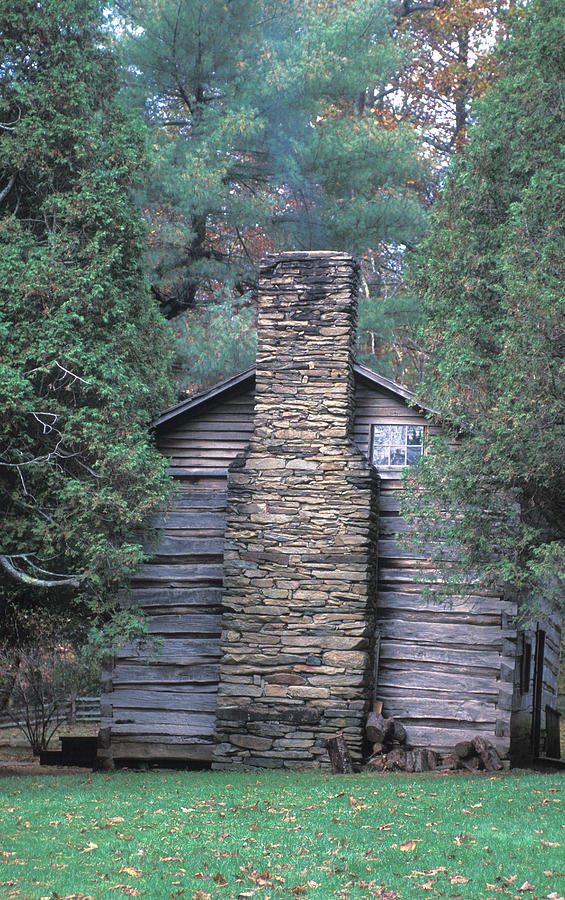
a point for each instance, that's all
(445, 670)
(162, 704)
(208, 441)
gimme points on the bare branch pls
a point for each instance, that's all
(61, 378)
(48, 427)
(9, 126)
(5, 191)
(70, 374)
(56, 580)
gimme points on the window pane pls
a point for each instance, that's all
(388, 435)
(414, 434)
(413, 454)
(397, 456)
(380, 456)
(397, 445)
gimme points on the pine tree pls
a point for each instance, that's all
(266, 139)
(84, 349)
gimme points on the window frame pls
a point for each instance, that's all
(395, 469)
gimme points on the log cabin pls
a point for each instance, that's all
(284, 600)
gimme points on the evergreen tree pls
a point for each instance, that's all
(268, 138)
(491, 276)
(84, 349)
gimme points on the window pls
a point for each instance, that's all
(396, 445)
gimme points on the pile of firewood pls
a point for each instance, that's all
(390, 750)
(392, 753)
(473, 756)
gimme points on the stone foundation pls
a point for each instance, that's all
(300, 549)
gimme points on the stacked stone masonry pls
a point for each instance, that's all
(299, 559)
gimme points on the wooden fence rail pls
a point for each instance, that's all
(87, 709)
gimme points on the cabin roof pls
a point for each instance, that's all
(248, 377)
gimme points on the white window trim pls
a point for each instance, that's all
(394, 470)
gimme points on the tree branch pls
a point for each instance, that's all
(9, 126)
(5, 191)
(408, 7)
(56, 581)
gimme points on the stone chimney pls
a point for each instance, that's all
(299, 586)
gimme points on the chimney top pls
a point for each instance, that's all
(307, 315)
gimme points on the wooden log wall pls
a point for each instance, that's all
(206, 443)
(448, 672)
(445, 670)
(163, 705)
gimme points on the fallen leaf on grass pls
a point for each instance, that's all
(555, 896)
(115, 819)
(510, 879)
(549, 843)
(527, 887)
(426, 885)
(55, 896)
(458, 879)
(261, 878)
(464, 838)
(219, 879)
(135, 873)
(89, 847)
(408, 845)
(126, 889)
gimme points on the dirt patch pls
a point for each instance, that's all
(35, 768)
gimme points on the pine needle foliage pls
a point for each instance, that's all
(266, 138)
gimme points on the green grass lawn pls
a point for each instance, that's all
(168, 834)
